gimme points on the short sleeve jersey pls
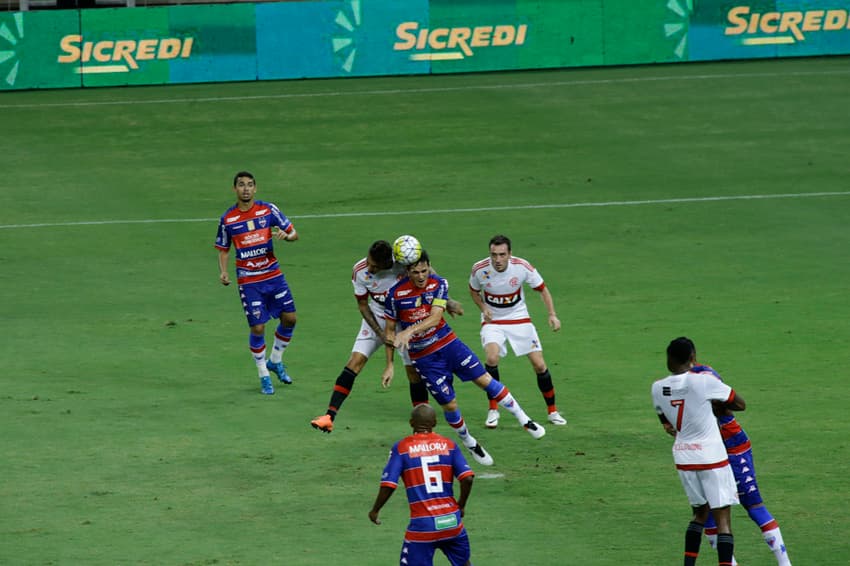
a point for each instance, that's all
(503, 291)
(375, 285)
(685, 401)
(427, 463)
(250, 232)
(407, 305)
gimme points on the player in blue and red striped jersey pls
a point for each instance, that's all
(414, 307)
(250, 226)
(741, 459)
(428, 463)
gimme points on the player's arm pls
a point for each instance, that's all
(554, 323)
(384, 493)
(369, 316)
(389, 369)
(668, 427)
(433, 319)
(223, 262)
(465, 489)
(454, 307)
(482, 306)
(289, 235)
(735, 403)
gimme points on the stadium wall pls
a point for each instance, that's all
(342, 38)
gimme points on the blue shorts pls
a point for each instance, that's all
(266, 300)
(422, 553)
(439, 368)
(745, 477)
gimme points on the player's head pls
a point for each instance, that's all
(500, 252)
(380, 256)
(245, 186)
(423, 418)
(681, 354)
(420, 271)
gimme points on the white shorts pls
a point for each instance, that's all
(523, 338)
(715, 487)
(367, 342)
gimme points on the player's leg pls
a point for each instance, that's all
(693, 534)
(418, 390)
(725, 540)
(366, 344)
(257, 343)
(457, 549)
(721, 493)
(257, 316)
(417, 553)
(437, 375)
(524, 341)
(750, 497)
(342, 389)
(546, 387)
(281, 305)
(466, 365)
(493, 341)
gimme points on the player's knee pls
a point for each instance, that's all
(356, 362)
(288, 319)
(412, 375)
(258, 329)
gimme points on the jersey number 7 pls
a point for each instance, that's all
(680, 408)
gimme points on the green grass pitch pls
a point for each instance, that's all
(133, 431)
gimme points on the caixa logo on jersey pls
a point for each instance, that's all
(120, 55)
(452, 43)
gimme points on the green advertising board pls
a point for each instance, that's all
(339, 38)
(28, 49)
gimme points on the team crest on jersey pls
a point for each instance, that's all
(256, 313)
(514, 282)
(263, 221)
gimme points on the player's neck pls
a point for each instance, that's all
(245, 206)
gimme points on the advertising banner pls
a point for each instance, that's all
(335, 39)
(163, 45)
(28, 49)
(341, 38)
(724, 29)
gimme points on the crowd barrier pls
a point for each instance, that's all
(342, 38)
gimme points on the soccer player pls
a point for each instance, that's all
(496, 286)
(414, 308)
(683, 401)
(251, 226)
(741, 459)
(372, 277)
(427, 463)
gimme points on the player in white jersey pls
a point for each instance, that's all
(372, 277)
(683, 401)
(496, 286)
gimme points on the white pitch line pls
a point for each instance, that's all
(447, 210)
(395, 91)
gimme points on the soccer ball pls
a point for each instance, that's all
(407, 250)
